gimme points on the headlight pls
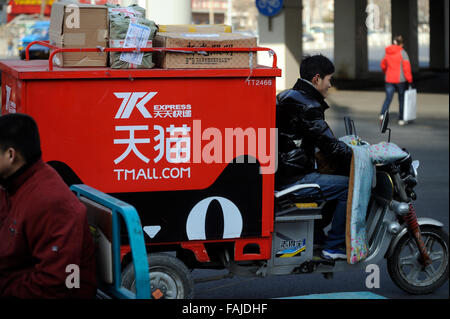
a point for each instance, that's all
(405, 166)
(415, 165)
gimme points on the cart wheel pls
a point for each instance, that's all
(169, 277)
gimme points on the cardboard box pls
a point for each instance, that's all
(175, 60)
(199, 28)
(90, 30)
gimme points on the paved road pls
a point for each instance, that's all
(428, 141)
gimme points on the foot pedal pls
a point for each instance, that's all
(328, 275)
(310, 266)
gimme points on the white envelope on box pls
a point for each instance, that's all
(410, 105)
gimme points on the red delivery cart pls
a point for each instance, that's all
(193, 150)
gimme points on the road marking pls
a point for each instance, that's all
(340, 295)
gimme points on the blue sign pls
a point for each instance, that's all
(269, 7)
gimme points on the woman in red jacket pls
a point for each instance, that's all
(397, 70)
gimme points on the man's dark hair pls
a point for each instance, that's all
(20, 132)
(315, 64)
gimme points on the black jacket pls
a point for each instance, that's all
(301, 129)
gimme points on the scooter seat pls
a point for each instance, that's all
(287, 198)
(289, 190)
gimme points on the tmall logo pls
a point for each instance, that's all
(130, 101)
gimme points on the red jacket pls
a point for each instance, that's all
(396, 65)
(43, 229)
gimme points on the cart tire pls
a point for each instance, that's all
(169, 277)
(406, 272)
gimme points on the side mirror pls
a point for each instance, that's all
(348, 126)
(385, 122)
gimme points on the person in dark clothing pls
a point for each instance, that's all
(46, 249)
(302, 134)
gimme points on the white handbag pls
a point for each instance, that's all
(410, 105)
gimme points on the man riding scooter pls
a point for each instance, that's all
(302, 131)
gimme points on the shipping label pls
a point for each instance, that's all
(137, 37)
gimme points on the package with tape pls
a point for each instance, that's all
(197, 28)
(209, 60)
(129, 29)
(76, 25)
(133, 10)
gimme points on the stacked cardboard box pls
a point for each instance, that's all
(200, 28)
(88, 26)
(79, 26)
(208, 38)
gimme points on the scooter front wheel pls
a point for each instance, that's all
(405, 268)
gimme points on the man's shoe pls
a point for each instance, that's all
(401, 122)
(334, 253)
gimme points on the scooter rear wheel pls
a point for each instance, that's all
(407, 272)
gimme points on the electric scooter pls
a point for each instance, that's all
(415, 249)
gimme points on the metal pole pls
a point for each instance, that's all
(43, 4)
(211, 11)
(229, 13)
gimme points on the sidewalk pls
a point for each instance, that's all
(429, 105)
(425, 80)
